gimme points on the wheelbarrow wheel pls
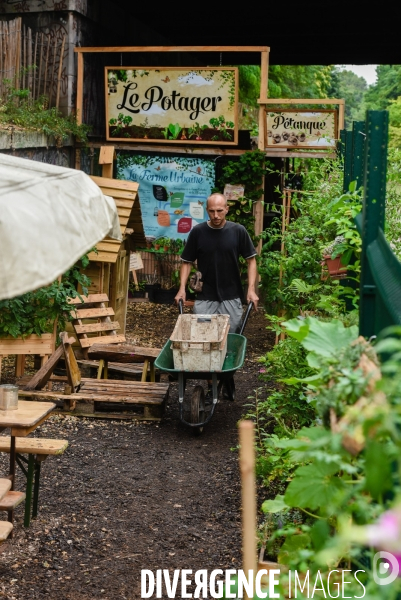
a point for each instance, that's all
(198, 408)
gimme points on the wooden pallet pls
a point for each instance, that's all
(96, 396)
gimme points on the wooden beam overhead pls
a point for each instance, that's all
(172, 49)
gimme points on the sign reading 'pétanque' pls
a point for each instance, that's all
(293, 128)
(180, 105)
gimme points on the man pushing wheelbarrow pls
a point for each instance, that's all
(217, 246)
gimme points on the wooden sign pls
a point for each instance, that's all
(233, 192)
(294, 128)
(172, 104)
(135, 261)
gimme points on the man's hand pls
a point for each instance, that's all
(184, 274)
(252, 297)
(180, 296)
(252, 275)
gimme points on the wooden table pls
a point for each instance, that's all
(22, 422)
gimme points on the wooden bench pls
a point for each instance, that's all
(38, 449)
(86, 396)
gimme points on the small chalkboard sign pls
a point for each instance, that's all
(160, 193)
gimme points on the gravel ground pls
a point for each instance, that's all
(129, 495)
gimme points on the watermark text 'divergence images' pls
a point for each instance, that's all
(185, 583)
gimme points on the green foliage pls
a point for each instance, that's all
(345, 471)
(386, 88)
(323, 213)
(283, 411)
(393, 201)
(172, 131)
(222, 125)
(385, 94)
(248, 171)
(196, 130)
(18, 109)
(285, 81)
(121, 123)
(35, 312)
(299, 81)
(351, 87)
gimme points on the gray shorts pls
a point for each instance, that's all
(233, 308)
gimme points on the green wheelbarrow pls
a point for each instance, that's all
(200, 413)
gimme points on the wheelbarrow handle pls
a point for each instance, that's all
(244, 322)
(181, 306)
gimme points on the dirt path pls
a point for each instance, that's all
(128, 496)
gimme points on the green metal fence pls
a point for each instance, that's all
(365, 161)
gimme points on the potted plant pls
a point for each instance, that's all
(332, 255)
(166, 243)
(137, 290)
(176, 246)
(157, 244)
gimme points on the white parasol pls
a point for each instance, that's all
(49, 217)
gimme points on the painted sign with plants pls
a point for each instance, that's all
(179, 105)
(293, 128)
(172, 192)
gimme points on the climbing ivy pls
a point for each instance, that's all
(247, 171)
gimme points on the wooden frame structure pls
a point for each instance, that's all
(264, 67)
(263, 102)
(279, 102)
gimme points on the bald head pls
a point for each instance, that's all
(219, 197)
(217, 209)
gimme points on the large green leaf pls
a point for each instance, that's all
(297, 328)
(377, 468)
(275, 506)
(323, 338)
(314, 486)
(289, 551)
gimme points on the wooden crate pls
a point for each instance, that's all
(199, 342)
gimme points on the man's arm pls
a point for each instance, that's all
(184, 274)
(252, 275)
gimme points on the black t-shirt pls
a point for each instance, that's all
(217, 252)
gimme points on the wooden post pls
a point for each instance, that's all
(52, 73)
(80, 87)
(34, 65)
(40, 63)
(60, 69)
(46, 66)
(341, 107)
(248, 496)
(106, 157)
(264, 79)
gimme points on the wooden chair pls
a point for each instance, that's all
(93, 326)
(82, 394)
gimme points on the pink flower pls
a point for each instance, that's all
(386, 533)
